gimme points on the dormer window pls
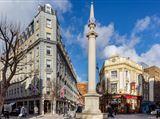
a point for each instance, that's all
(48, 8)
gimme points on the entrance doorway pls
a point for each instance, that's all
(47, 106)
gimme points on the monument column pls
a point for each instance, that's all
(91, 110)
(92, 53)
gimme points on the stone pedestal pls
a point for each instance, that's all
(92, 110)
(92, 103)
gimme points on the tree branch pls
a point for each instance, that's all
(19, 81)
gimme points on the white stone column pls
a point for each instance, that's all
(54, 106)
(92, 64)
(42, 106)
(91, 110)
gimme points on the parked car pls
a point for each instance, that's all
(15, 112)
(154, 112)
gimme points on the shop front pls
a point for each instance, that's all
(124, 103)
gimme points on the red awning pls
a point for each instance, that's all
(130, 97)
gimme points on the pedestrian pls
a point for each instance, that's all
(79, 109)
(65, 109)
(115, 110)
(6, 111)
(36, 111)
(110, 111)
(158, 114)
(22, 112)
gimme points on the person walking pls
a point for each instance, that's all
(36, 111)
(22, 112)
(6, 111)
(110, 111)
(65, 109)
(115, 110)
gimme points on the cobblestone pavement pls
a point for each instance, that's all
(134, 116)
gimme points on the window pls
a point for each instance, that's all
(48, 36)
(48, 23)
(126, 74)
(17, 90)
(48, 63)
(37, 35)
(21, 89)
(133, 87)
(48, 50)
(126, 86)
(48, 77)
(114, 87)
(48, 92)
(47, 8)
(113, 74)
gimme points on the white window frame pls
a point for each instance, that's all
(114, 76)
(48, 48)
(48, 35)
(48, 62)
(48, 23)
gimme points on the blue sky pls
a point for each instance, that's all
(126, 28)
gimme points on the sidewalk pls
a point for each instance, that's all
(47, 116)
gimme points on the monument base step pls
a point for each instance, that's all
(91, 116)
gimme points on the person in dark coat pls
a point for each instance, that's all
(158, 114)
(110, 111)
(79, 109)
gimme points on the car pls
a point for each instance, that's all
(15, 112)
(154, 112)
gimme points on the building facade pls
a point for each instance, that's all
(154, 83)
(52, 83)
(120, 83)
(82, 87)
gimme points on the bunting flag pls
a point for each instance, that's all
(62, 91)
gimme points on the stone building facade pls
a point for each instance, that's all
(82, 87)
(154, 83)
(120, 82)
(53, 83)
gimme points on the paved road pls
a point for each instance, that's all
(135, 116)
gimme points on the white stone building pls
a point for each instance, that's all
(52, 84)
(120, 77)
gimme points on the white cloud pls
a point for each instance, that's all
(152, 56)
(69, 36)
(124, 45)
(104, 35)
(123, 51)
(142, 24)
(18, 11)
(23, 11)
(62, 5)
(79, 79)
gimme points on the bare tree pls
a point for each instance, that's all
(11, 58)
